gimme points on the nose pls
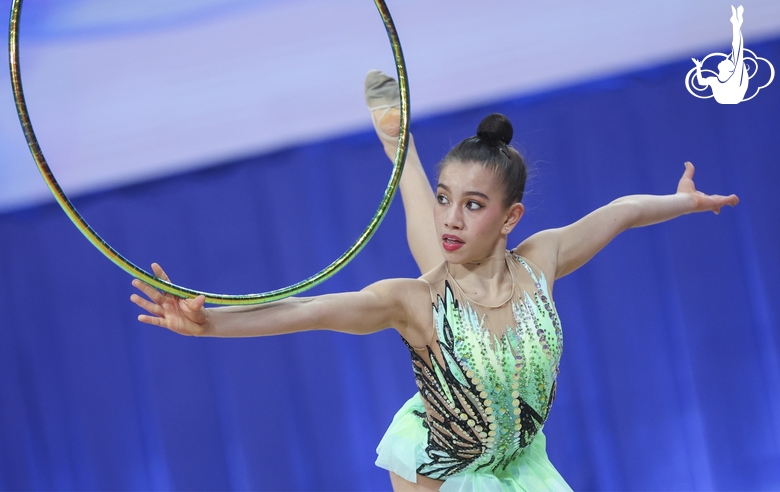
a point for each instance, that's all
(454, 218)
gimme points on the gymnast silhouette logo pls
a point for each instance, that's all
(730, 84)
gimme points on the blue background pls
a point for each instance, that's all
(670, 378)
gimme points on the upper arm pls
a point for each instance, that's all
(558, 252)
(385, 304)
(427, 254)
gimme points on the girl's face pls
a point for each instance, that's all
(471, 220)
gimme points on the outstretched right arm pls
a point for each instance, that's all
(378, 306)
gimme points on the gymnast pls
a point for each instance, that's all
(480, 324)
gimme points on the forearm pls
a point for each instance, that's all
(575, 244)
(566, 249)
(274, 318)
(653, 209)
(374, 308)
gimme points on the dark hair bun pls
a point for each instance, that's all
(496, 128)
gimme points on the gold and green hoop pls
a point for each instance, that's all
(132, 269)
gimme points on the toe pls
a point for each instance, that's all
(381, 90)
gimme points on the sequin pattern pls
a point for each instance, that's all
(489, 395)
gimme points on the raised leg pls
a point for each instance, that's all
(383, 100)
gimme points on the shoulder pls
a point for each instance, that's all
(413, 297)
(541, 250)
(526, 265)
(410, 295)
(397, 287)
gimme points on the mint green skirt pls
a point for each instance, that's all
(402, 450)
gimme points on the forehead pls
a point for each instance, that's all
(468, 176)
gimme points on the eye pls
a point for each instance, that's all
(442, 199)
(472, 205)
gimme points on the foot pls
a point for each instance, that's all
(384, 101)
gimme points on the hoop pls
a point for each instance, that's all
(132, 269)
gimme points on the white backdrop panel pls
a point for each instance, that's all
(130, 90)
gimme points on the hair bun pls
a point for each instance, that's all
(495, 127)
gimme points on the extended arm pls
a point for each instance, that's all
(383, 304)
(561, 251)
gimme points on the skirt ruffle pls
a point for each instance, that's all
(402, 450)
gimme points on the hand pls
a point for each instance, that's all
(702, 201)
(696, 62)
(184, 316)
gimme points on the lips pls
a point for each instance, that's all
(451, 243)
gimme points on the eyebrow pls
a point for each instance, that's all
(476, 193)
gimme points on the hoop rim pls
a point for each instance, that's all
(177, 290)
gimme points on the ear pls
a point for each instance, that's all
(514, 214)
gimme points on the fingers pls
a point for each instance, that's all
(689, 170)
(159, 299)
(718, 201)
(159, 272)
(703, 201)
(153, 320)
(193, 308)
(149, 306)
(197, 303)
(150, 291)
(731, 200)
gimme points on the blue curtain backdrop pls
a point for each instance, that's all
(671, 371)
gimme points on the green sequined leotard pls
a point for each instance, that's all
(486, 383)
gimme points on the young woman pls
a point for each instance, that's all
(481, 327)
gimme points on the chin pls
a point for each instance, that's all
(455, 257)
(460, 257)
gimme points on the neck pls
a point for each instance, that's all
(487, 281)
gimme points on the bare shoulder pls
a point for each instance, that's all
(414, 298)
(398, 288)
(410, 296)
(542, 250)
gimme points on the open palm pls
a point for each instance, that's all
(703, 201)
(184, 316)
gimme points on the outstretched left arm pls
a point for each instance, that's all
(558, 252)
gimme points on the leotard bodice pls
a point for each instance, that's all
(488, 376)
